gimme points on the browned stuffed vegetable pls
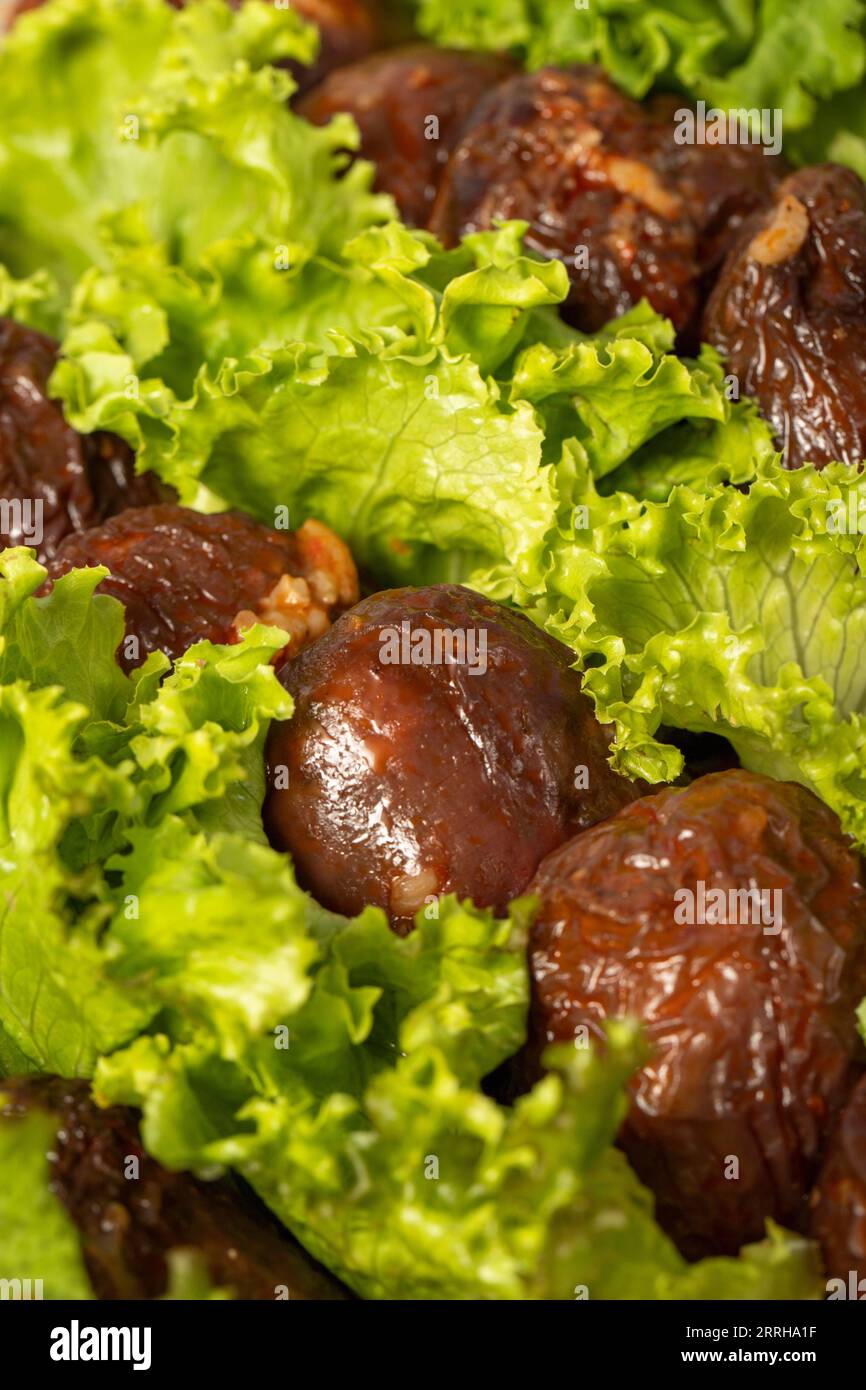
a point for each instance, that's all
(605, 188)
(404, 774)
(184, 577)
(410, 105)
(839, 1202)
(788, 315)
(131, 1213)
(748, 1002)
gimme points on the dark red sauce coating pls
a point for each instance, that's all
(604, 187)
(129, 1225)
(182, 577)
(406, 781)
(754, 1037)
(409, 105)
(838, 1200)
(788, 314)
(76, 479)
(720, 185)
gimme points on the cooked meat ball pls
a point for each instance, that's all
(129, 1225)
(720, 185)
(54, 481)
(184, 577)
(576, 159)
(411, 775)
(839, 1198)
(788, 314)
(392, 97)
(751, 1020)
(604, 188)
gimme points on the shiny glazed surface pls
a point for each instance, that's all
(839, 1198)
(789, 315)
(407, 781)
(392, 97)
(78, 479)
(754, 1037)
(128, 1226)
(604, 188)
(182, 576)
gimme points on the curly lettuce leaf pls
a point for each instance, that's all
(190, 891)
(86, 757)
(33, 300)
(397, 438)
(358, 1116)
(696, 453)
(610, 395)
(156, 104)
(739, 613)
(55, 1005)
(424, 441)
(67, 638)
(734, 53)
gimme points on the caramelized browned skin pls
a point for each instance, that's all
(129, 1225)
(78, 479)
(720, 185)
(754, 1036)
(604, 188)
(406, 781)
(348, 31)
(839, 1199)
(789, 315)
(184, 577)
(392, 97)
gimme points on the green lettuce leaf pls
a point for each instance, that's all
(87, 757)
(192, 893)
(13, 1062)
(100, 174)
(33, 300)
(55, 1005)
(734, 53)
(736, 613)
(189, 1279)
(39, 1244)
(357, 1112)
(423, 441)
(66, 639)
(838, 133)
(610, 395)
(696, 453)
(120, 128)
